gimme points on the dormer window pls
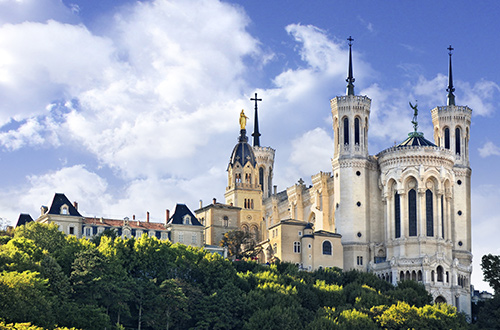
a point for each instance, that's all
(65, 209)
(186, 219)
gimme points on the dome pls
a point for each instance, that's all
(416, 139)
(242, 152)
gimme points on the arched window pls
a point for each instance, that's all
(346, 130)
(327, 248)
(447, 138)
(414, 275)
(419, 276)
(458, 138)
(402, 276)
(270, 182)
(261, 178)
(356, 130)
(226, 221)
(447, 277)
(440, 274)
(442, 216)
(397, 215)
(429, 213)
(432, 276)
(412, 212)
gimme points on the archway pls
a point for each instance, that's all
(440, 299)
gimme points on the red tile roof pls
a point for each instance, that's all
(119, 223)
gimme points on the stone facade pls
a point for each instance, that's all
(403, 214)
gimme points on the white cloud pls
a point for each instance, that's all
(312, 152)
(489, 149)
(78, 183)
(484, 230)
(479, 97)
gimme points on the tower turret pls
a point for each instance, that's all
(355, 173)
(452, 132)
(243, 189)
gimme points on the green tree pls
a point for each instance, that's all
(239, 244)
(24, 298)
(490, 265)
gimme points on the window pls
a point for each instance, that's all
(194, 239)
(442, 216)
(226, 221)
(447, 138)
(327, 248)
(151, 233)
(100, 229)
(181, 237)
(261, 178)
(186, 219)
(346, 130)
(88, 232)
(412, 212)
(64, 209)
(300, 233)
(397, 215)
(359, 260)
(296, 247)
(429, 213)
(356, 131)
(275, 248)
(164, 236)
(71, 230)
(457, 140)
(440, 274)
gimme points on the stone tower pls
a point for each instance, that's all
(354, 173)
(243, 189)
(264, 157)
(452, 132)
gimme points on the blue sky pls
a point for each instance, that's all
(132, 106)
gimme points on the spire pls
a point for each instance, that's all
(450, 89)
(256, 134)
(350, 78)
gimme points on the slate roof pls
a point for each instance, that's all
(242, 152)
(142, 225)
(416, 139)
(180, 211)
(60, 200)
(24, 218)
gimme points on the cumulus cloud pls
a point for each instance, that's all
(484, 232)
(489, 149)
(316, 145)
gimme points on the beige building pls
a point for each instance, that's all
(403, 214)
(182, 226)
(296, 241)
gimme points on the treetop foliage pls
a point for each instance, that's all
(52, 281)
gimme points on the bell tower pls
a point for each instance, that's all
(263, 155)
(243, 189)
(452, 132)
(354, 173)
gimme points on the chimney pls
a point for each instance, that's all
(275, 189)
(201, 203)
(133, 217)
(147, 217)
(231, 204)
(214, 200)
(167, 215)
(75, 204)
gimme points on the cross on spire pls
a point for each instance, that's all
(256, 134)
(450, 89)
(350, 79)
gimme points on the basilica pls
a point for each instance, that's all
(402, 214)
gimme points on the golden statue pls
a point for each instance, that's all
(243, 119)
